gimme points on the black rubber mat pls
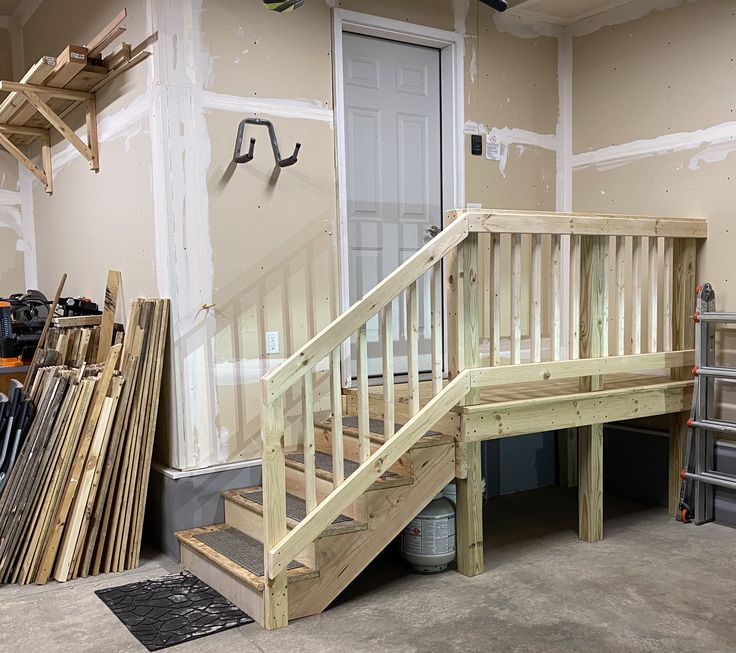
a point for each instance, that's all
(167, 611)
(296, 508)
(238, 547)
(323, 461)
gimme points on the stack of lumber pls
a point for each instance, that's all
(77, 68)
(75, 339)
(74, 502)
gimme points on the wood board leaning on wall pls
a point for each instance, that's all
(74, 502)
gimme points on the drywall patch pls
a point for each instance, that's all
(9, 197)
(10, 217)
(621, 14)
(718, 140)
(507, 137)
(525, 28)
(282, 108)
(460, 14)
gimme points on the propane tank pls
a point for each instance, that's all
(428, 542)
(450, 491)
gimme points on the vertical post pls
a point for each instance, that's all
(556, 264)
(636, 300)
(683, 337)
(435, 282)
(310, 472)
(276, 609)
(469, 524)
(389, 408)
(338, 466)
(536, 299)
(515, 299)
(593, 322)
(495, 299)
(92, 141)
(412, 346)
(364, 429)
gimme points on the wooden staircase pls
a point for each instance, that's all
(229, 557)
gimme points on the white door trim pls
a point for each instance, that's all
(452, 74)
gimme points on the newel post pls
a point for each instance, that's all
(463, 333)
(276, 608)
(593, 343)
(683, 337)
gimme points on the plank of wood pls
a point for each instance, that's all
(22, 158)
(310, 484)
(515, 299)
(107, 35)
(44, 333)
(668, 273)
(412, 346)
(387, 341)
(306, 357)
(636, 256)
(437, 335)
(362, 371)
(336, 401)
(37, 74)
(469, 515)
(652, 304)
(620, 296)
(112, 290)
(495, 299)
(471, 311)
(535, 316)
(574, 297)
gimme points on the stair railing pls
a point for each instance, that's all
(490, 299)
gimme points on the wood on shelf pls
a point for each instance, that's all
(53, 87)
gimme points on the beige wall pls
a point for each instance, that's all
(95, 222)
(671, 71)
(273, 239)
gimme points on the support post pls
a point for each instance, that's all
(464, 340)
(683, 337)
(276, 609)
(593, 323)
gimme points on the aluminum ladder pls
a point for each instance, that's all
(698, 474)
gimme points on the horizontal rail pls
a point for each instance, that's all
(531, 222)
(61, 93)
(368, 473)
(306, 357)
(714, 479)
(524, 416)
(484, 377)
(721, 318)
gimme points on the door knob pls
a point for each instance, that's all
(433, 231)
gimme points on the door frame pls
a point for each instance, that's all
(452, 100)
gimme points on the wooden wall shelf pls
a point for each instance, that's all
(53, 87)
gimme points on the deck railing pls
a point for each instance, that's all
(516, 281)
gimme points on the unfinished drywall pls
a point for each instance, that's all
(97, 221)
(273, 237)
(655, 128)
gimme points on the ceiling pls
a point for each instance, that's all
(562, 12)
(8, 7)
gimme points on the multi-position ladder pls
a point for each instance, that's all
(698, 474)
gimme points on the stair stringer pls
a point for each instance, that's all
(343, 557)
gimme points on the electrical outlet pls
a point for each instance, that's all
(272, 342)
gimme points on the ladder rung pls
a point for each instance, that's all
(724, 318)
(711, 478)
(718, 372)
(714, 425)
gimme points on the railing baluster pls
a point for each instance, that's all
(338, 467)
(495, 299)
(310, 477)
(556, 264)
(620, 295)
(388, 370)
(605, 317)
(536, 299)
(436, 326)
(574, 344)
(412, 345)
(669, 271)
(652, 307)
(515, 299)
(364, 428)
(636, 292)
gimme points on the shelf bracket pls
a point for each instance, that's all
(45, 176)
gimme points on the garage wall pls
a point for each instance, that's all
(12, 274)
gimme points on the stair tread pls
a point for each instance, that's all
(323, 461)
(237, 553)
(296, 508)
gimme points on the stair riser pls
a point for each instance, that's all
(251, 523)
(295, 486)
(238, 593)
(351, 450)
(448, 425)
(343, 558)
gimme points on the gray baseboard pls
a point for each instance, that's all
(178, 502)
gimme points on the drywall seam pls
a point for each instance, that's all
(181, 161)
(460, 14)
(525, 27)
(722, 137)
(9, 197)
(10, 217)
(30, 266)
(633, 10)
(126, 122)
(282, 108)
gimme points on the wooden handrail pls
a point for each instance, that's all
(540, 222)
(368, 473)
(307, 356)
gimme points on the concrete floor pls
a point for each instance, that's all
(652, 585)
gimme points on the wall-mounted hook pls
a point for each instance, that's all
(244, 158)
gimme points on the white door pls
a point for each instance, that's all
(394, 189)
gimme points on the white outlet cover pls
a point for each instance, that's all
(272, 342)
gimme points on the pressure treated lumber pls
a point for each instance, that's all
(469, 514)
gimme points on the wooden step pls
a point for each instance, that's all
(231, 562)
